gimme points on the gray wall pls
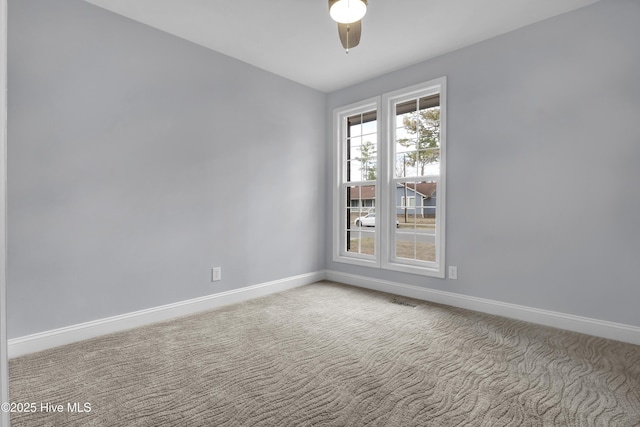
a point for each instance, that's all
(547, 114)
(129, 151)
(131, 155)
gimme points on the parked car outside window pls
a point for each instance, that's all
(369, 220)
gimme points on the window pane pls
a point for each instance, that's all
(362, 152)
(426, 251)
(362, 243)
(405, 145)
(354, 129)
(354, 170)
(361, 220)
(370, 127)
(361, 171)
(353, 197)
(427, 130)
(416, 220)
(406, 111)
(407, 165)
(405, 247)
(353, 147)
(402, 134)
(417, 137)
(368, 158)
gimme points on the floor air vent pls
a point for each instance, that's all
(400, 302)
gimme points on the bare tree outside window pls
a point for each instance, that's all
(424, 127)
(368, 161)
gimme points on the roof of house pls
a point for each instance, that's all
(366, 192)
(426, 189)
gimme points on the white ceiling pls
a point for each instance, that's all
(298, 40)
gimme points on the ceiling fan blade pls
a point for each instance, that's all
(350, 34)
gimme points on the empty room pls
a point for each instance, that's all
(320, 213)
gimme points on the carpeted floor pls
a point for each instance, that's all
(333, 355)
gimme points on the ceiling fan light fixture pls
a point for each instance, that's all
(347, 11)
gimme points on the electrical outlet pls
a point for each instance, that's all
(453, 272)
(216, 274)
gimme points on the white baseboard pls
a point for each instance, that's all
(585, 325)
(57, 337)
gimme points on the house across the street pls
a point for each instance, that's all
(419, 199)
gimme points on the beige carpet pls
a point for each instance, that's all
(332, 355)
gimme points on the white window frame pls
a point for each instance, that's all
(340, 253)
(385, 232)
(389, 261)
